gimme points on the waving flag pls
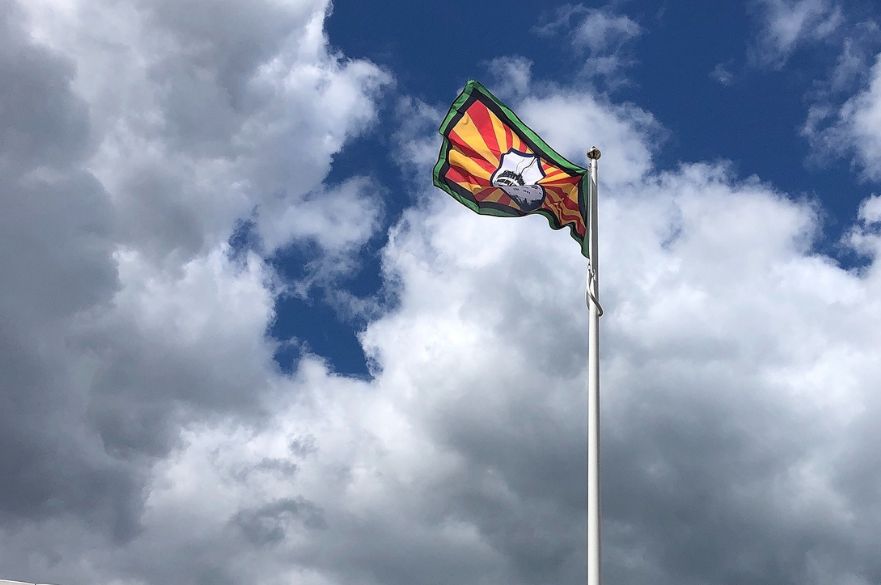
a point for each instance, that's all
(494, 164)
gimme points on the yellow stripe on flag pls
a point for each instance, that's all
(469, 133)
(467, 164)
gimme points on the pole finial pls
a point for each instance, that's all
(594, 153)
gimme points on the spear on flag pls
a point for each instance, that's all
(492, 163)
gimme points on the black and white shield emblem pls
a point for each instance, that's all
(518, 175)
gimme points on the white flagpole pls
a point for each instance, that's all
(593, 382)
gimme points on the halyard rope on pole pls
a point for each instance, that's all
(588, 297)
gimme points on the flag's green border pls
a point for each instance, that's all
(472, 92)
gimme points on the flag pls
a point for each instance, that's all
(491, 162)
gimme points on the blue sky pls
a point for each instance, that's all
(243, 338)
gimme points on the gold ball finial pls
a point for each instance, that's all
(594, 153)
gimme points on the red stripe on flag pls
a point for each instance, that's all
(468, 150)
(480, 114)
(456, 175)
(565, 210)
(509, 138)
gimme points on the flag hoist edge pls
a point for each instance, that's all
(491, 162)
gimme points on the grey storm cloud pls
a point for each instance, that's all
(146, 435)
(105, 183)
(56, 260)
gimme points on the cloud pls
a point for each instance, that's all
(415, 140)
(722, 73)
(338, 221)
(853, 128)
(870, 210)
(865, 237)
(218, 111)
(855, 60)
(787, 24)
(125, 314)
(56, 260)
(512, 76)
(600, 33)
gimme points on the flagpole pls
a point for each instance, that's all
(593, 382)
